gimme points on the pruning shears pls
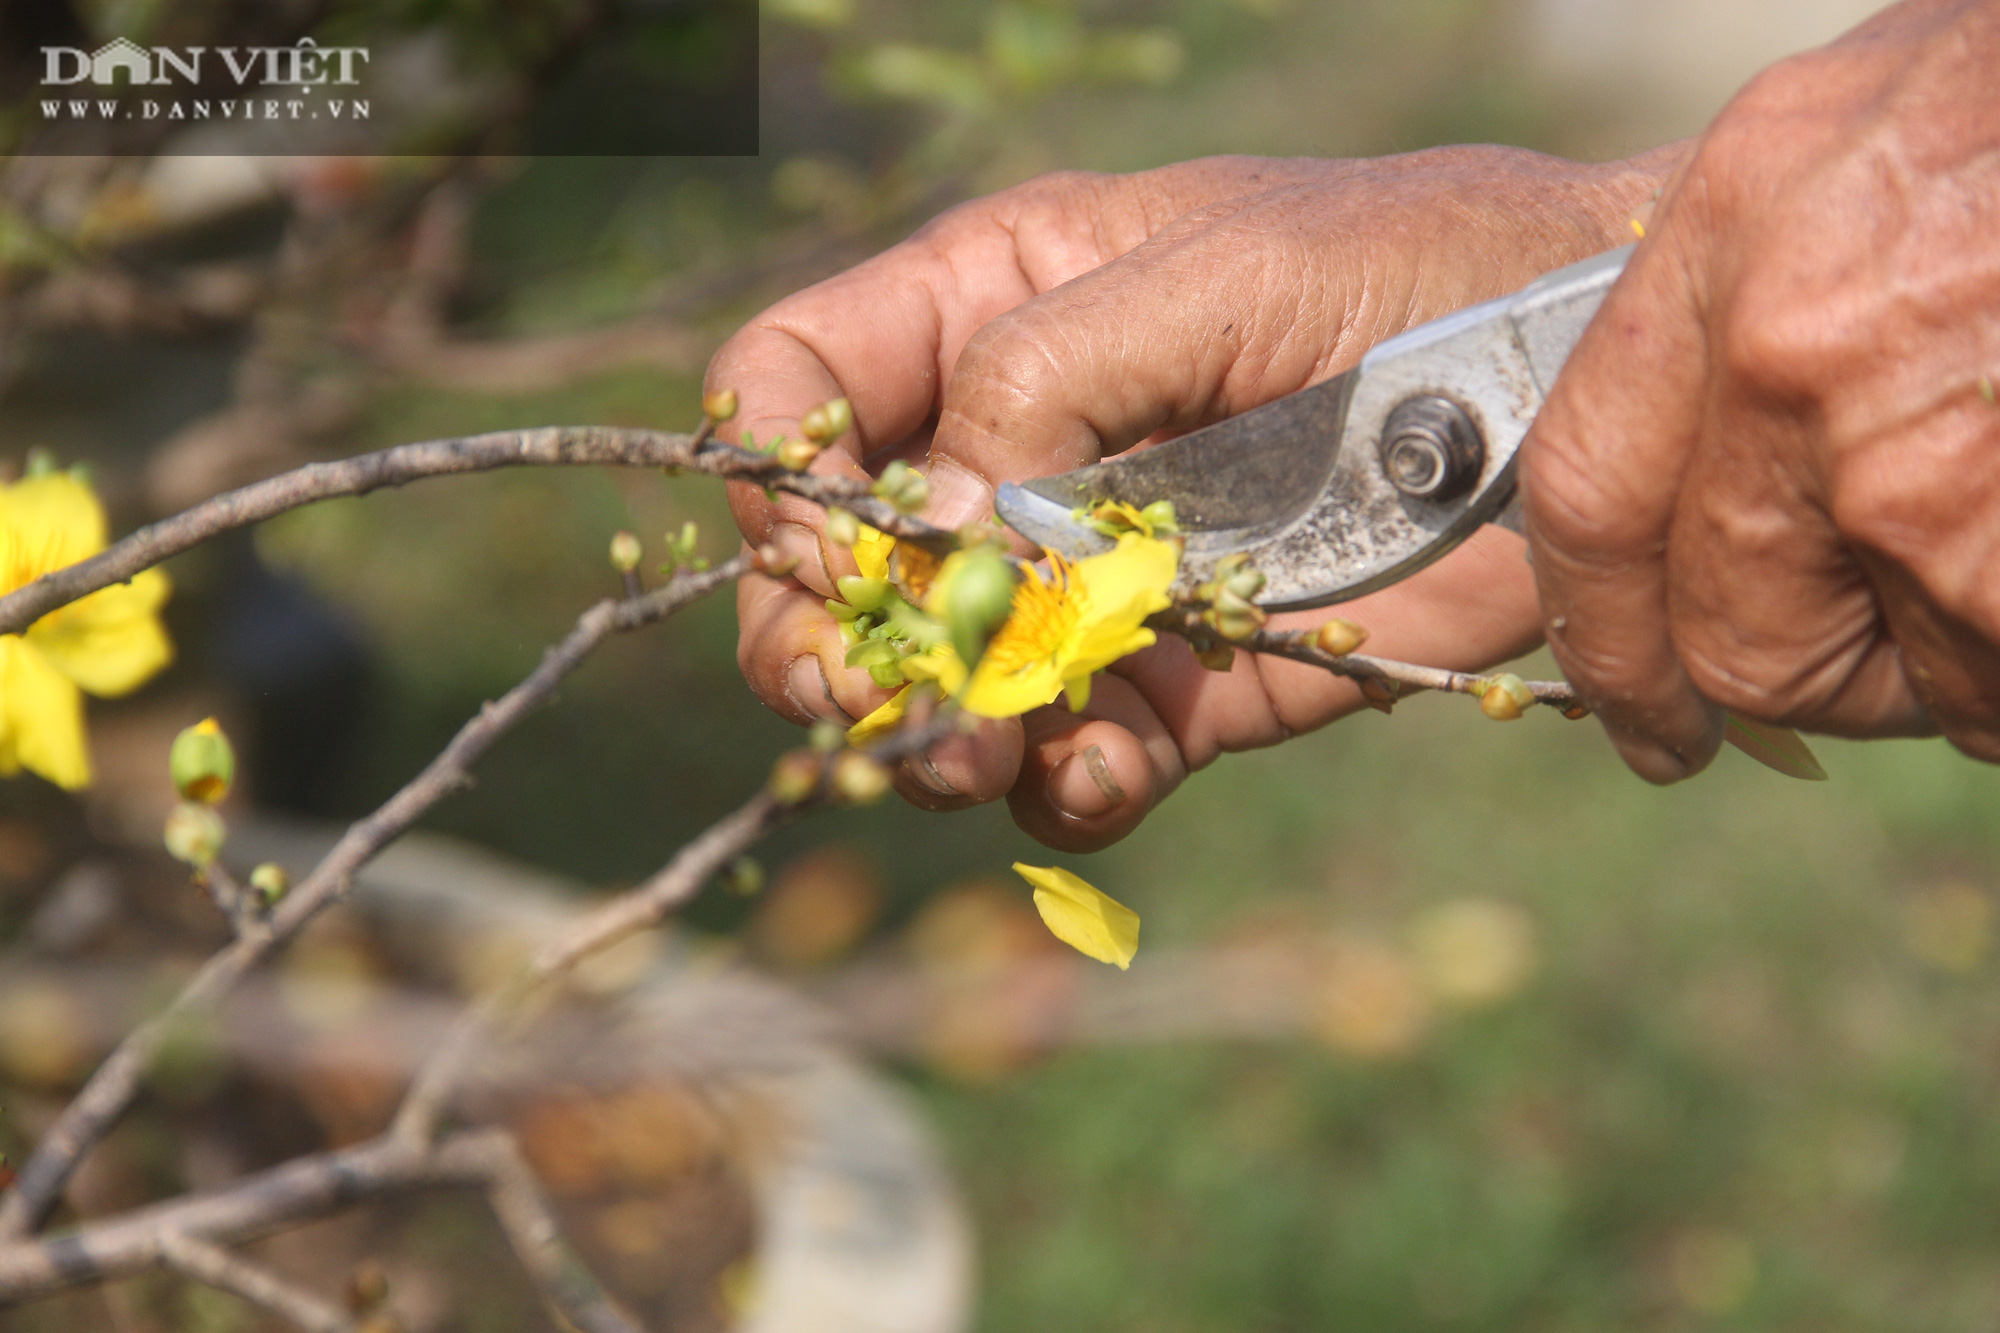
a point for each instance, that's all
(1357, 482)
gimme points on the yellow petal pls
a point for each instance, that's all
(41, 717)
(48, 522)
(1082, 916)
(883, 720)
(871, 553)
(939, 663)
(994, 693)
(1120, 589)
(110, 642)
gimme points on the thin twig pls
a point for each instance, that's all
(1184, 619)
(216, 1267)
(298, 1191)
(531, 1228)
(547, 447)
(634, 910)
(230, 897)
(111, 1087)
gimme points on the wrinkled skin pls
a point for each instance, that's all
(1078, 315)
(1794, 511)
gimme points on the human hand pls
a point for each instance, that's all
(1077, 315)
(1768, 479)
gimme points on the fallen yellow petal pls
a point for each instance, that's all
(1083, 916)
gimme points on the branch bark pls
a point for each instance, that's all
(216, 1267)
(554, 446)
(111, 1087)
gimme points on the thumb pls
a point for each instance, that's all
(1224, 310)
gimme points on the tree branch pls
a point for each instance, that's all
(1185, 620)
(216, 1267)
(530, 1227)
(111, 1087)
(553, 446)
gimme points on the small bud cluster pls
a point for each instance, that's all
(842, 528)
(905, 489)
(849, 777)
(1506, 697)
(680, 551)
(827, 422)
(1232, 608)
(1115, 518)
(202, 764)
(774, 563)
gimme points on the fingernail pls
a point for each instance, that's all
(958, 495)
(805, 683)
(1083, 785)
(927, 776)
(799, 542)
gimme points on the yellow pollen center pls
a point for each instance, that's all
(1040, 618)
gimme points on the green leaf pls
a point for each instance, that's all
(1774, 747)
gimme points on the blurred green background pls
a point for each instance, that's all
(1732, 1062)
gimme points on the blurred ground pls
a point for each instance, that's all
(1571, 1052)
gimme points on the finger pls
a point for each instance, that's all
(887, 333)
(1087, 779)
(791, 653)
(1601, 471)
(961, 770)
(1772, 616)
(1238, 304)
(1144, 343)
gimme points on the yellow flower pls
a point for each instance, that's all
(871, 553)
(1083, 916)
(1059, 632)
(108, 643)
(1065, 628)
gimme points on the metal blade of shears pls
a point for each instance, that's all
(1358, 482)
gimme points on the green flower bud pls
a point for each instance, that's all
(828, 422)
(202, 762)
(863, 594)
(903, 487)
(270, 882)
(1506, 697)
(1160, 514)
(720, 405)
(795, 777)
(1245, 583)
(873, 653)
(859, 779)
(977, 592)
(825, 737)
(194, 834)
(1237, 625)
(796, 455)
(774, 563)
(842, 528)
(626, 553)
(1340, 637)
